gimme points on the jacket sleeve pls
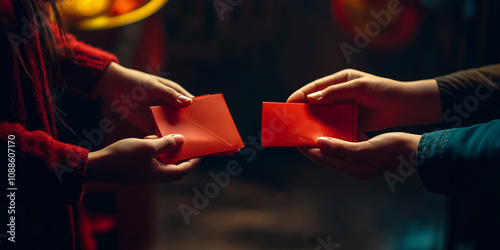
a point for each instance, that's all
(471, 96)
(82, 65)
(43, 167)
(461, 161)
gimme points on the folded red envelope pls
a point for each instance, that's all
(300, 124)
(206, 124)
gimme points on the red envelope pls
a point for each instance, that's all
(206, 124)
(300, 124)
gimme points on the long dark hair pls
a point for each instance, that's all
(44, 16)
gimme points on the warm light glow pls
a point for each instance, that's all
(84, 8)
(105, 14)
(121, 7)
(354, 17)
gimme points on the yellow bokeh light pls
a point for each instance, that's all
(100, 14)
(84, 8)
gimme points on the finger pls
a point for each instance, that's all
(349, 167)
(170, 96)
(174, 172)
(340, 77)
(341, 93)
(175, 86)
(341, 149)
(167, 143)
(151, 137)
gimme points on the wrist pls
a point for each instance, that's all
(111, 73)
(412, 142)
(94, 165)
(424, 103)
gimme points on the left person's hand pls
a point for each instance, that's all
(130, 93)
(132, 161)
(365, 159)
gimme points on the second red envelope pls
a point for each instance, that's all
(300, 124)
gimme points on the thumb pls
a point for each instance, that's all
(339, 148)
(167, 143)
(342, 93)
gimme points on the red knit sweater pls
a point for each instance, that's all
(48, 174)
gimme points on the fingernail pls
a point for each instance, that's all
(321, 141)
(315, 95)
(183, 99)
(179, 139)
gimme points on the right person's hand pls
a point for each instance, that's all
(383, 103)
(366, 159)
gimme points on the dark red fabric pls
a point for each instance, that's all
(49, 174)
(83, 65)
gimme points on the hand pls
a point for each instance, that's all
(131, 161)
(383, 103)
(130, 93)
(364, 159)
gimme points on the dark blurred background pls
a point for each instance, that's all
(263, 50)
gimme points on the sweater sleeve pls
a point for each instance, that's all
(461, 161)
(43, 167)
(82, 65)
(471, 96)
